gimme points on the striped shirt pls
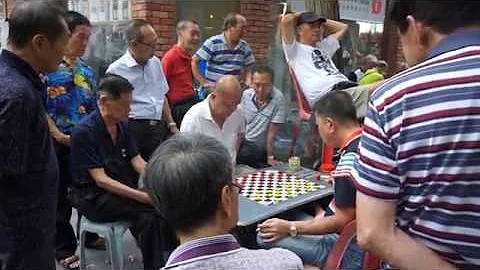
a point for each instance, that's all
(221, 60)
(224, 252)
(421, 148)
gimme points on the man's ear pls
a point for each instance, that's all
(39, 42)
(226, 201)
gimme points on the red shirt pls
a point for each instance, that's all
(178, 71)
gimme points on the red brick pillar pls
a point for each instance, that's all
(8, 7)
(260, 20)
(162, 14)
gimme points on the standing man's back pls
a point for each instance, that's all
(419, 167)
(28, 165)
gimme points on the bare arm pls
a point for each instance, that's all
(287, 27)
(198, 75)
(56, 133)
(378, 234)
(138, 164)
(337, 28)
(103, 181)
(167, 115)
(273, 130)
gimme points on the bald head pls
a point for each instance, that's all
(227, 95)
(227, 83)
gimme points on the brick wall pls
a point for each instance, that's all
(162, 15)
(260, 18)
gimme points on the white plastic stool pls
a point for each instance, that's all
(112, 232)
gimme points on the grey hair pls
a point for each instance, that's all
(185, 176)
(181, 25)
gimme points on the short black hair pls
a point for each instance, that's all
(32, 18)
(337, 105)
(230, 20)
(75, 19)
(443, 16)
(262, 68)
(114, 85)
(185, 177)
(134, 30)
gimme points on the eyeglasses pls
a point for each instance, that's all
(236, 184)
(155, 46)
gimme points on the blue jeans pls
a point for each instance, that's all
(314, 249)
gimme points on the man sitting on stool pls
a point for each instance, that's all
(106, 166)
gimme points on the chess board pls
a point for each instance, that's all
(271, 187)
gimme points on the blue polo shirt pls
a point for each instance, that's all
(92, 147)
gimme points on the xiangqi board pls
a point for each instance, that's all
(271, 187)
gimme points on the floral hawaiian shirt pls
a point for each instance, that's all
(71, 94)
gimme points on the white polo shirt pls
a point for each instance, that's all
(199, 119)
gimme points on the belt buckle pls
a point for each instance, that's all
(152, 122)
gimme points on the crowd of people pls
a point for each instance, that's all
(143, 146)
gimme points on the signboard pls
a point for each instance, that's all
(372, 11)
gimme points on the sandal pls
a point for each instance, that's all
(98, 244)
(71, 263)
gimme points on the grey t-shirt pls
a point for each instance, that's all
(258, 120)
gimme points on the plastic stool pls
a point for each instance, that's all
(113, 233)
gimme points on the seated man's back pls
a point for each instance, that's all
(197, 196)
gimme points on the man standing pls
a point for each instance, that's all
(312, 239)
(311, 57)
(177, 66)
(219, 115)
(37, 38)
(197, 196)
(150, 115)
(418, 174)
(226, 53)
(70, 98)
(264, 110)
(106, 166)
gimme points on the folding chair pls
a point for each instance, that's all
(304, 114)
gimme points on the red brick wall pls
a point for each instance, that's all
(260, 18)
(162, 15)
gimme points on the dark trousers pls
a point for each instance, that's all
(148, 135)
(180, 108)
(65, 240)
(252, 155)
(153, 234)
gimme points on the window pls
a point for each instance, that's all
(102, 10)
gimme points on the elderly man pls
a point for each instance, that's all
(219, 115)
(190, 180)
(70, 98)
(313, 238)
(178, 70)
(226, 53)
(37, 38)
(311, 57)
(264, 110)
(106, 166)
(418, 174)
(150, 115)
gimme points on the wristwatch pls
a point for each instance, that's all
(172, 124)
(293, 230)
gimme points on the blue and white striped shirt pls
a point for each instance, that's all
(221, 60)
(421, 148)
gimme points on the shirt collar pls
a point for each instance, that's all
(130, 61)
(23, 67)
(352, 137)
(207, 111)
(182, 52)
(269, 98)
(203, 248)
(459, 39)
